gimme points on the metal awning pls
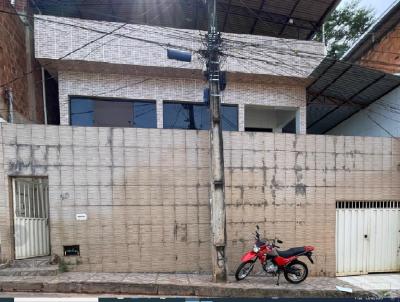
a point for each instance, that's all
(341, 89)
(297, 19)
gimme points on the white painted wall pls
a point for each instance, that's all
(360, 124)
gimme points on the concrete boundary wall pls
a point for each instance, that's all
(145, 191)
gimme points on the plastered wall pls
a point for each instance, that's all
(145, 191)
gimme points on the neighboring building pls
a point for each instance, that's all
(378, 49)
(20, 73)
(122, 185)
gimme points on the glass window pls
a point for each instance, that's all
(144, 114)
(81, 112)
(197, 116)
(186, 116)
(229, 116)
(113, 113)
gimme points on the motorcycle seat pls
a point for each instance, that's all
(291, 252)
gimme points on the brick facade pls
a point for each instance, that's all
(146, 191)
(15, 63)
(385, 55)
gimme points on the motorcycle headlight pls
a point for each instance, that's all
(256, 249)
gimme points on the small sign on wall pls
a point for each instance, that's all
(81, 216)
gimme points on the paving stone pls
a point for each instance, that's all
(181, 285)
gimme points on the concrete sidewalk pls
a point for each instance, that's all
(387, 285)
(177, 285)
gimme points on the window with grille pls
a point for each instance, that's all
(31, 197)
(368, 204)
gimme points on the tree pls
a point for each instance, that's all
(344, 26)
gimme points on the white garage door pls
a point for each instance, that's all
(367, 237)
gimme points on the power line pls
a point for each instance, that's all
(380, 126)
(284, 65)
(62, 57)
(104, 34)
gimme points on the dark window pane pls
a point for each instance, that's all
(186, 116)
(197, 116)
(113, 113)
(175, 116)
(201, 117)
(144, 114)
(229, 118)
(81, 112)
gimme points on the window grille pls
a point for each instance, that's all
(368, 204)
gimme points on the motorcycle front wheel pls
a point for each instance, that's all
(244, 270)
(296, 272)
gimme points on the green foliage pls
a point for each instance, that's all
(344, 26)
(63, 266)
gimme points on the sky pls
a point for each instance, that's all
(379, 5)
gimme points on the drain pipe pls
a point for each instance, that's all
(44, 96)
(10, 105)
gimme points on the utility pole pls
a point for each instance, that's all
(10, 98)
(217, 202)
(217, 182)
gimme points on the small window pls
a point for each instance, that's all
(113, 113)
(72, 250)
(196, 116)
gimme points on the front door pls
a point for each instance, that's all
(31, 219)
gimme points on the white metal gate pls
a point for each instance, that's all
(367, 237)
(31, 227)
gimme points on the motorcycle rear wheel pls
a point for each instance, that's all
(244, 270)
(301, 272)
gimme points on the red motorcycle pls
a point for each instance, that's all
(274, 262)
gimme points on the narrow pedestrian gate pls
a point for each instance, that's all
(367, 237)
(31, 222)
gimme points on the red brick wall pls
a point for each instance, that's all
(13, 66)
(385, 55)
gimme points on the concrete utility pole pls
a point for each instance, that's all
(10, 98)
(218, 216)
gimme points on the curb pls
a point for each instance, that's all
(172, 290)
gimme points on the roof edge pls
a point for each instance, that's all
(377, 24)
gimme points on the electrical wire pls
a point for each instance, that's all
(382, 127)
(262, 61)
(104, 34)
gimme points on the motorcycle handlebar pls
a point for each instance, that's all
(271, 240)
